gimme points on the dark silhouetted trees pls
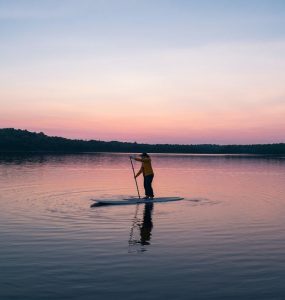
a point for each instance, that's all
(16, 140)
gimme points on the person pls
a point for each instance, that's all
(146, 170)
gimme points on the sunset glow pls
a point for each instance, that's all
(146, 71)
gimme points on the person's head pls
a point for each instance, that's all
(143, 155)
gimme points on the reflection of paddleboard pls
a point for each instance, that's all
(134, 201)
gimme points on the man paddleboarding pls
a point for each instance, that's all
(146, 170)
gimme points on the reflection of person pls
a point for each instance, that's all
(146, 170)
(146, 227)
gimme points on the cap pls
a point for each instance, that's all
(144, 154)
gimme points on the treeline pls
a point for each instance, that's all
(16, 140)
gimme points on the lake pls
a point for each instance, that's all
(225, 240)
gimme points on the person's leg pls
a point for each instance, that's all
(145, 186)
(148, 187)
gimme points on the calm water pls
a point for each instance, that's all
(226, 240)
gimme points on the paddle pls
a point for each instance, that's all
(135, 177)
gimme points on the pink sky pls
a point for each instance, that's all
(224, 85)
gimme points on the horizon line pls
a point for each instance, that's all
(139, 143)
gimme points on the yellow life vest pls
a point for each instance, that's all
(146, 166)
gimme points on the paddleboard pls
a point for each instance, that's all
(134, 201)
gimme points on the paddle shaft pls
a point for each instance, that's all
(135, 178)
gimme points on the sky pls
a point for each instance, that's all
(154, 71)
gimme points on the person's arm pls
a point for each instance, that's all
(135, 158)
(139, 172)
(138, 159)
(145, 159)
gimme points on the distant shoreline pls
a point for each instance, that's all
(23, 141)
(152, 153)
